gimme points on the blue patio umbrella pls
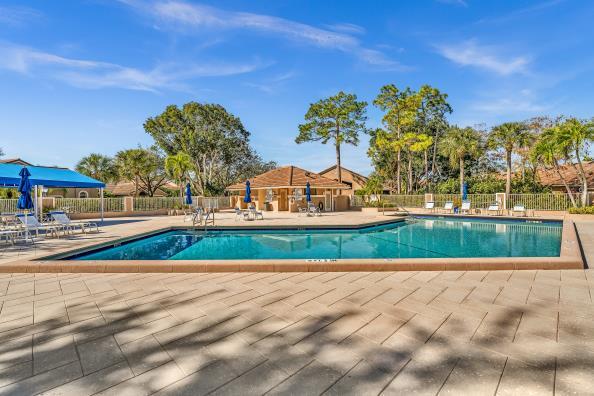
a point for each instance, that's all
(248, 192)
(25, 201)
(464, 191)
(307, 192)
(188, 194)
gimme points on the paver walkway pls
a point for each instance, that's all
(501, 332)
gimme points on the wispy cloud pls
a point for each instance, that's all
(522, 12)
(96, 74)
(272, 85)
(462, 3)
(470, 53)
(189, 17)
(17, 15)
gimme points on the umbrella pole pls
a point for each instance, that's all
(35, 206)
(102, 207)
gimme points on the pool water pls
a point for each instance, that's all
(417, 238)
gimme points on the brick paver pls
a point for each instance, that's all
(506, 332)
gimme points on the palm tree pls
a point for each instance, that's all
(422, 143)
(575, 135)
(97, 166)
(177, 167)
(548, 152)
(457, 145)
(130, 164)
(509, 136)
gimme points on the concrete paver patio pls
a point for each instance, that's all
(475, 332)
(500, 332)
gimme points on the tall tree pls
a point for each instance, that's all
(145, 167)
(509, 136)
(177, 167)
(549, 153)
(422, 143)
(400, 109)
(433, 111)
(576, 135)
(339, 118)
(98, 167)
(458, 144)
(215, 140)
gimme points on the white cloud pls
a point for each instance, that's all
(454, 2)
(94, 75)
(469, 53)
(182, 16)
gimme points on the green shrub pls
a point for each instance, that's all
(584, 210)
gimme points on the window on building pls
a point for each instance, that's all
(83, 194)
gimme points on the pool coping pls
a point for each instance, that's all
(570, 258)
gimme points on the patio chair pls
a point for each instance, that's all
(256, 213)
(240, 214)
(521, 209)
(465, 208)
(494, 207)
(430, 206)
(313, 210)
(30, 223)
(62, 219)
(448, 207)
(8, 235)
(302, 210)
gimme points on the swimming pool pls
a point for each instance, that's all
(425, 237)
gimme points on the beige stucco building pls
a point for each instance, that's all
(283, 189)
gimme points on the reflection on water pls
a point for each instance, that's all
(414, 239)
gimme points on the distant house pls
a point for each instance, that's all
(354, 180)
(283, 189)
(550, 178)
(16, 161)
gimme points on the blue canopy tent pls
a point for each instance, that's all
(42, 176)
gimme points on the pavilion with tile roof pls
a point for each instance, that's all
(283, 189)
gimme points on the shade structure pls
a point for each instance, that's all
(47, 177)
(188, 194)
(248, 192)
(307, 192)
(464, 191)
(25, 202)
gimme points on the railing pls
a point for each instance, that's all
(411, 201)
(212, 202)
(441, 199)
(89, 205)
(8, 205)
(147, 204)
(557, 202)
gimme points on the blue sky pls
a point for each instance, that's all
(82, 76)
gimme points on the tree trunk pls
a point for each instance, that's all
(136, 186)
(583, 178)
(461, 176)
(338, 166)
(410, 174)
(567, 188)
(508, 156)
(426, 159)
(181, 193)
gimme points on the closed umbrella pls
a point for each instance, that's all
(307, 192)
(248, 192)
(464, 191)
(25, 202)
(188, 194)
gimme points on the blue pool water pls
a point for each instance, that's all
(418, 238)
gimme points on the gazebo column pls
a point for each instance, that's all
(102, 207)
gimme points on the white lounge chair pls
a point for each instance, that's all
(448, 207)
(256, 213)
(494, 207)
(31, 224)
(62, 219)
(465, 208)
(430, 206)
(240, 214)
(313, 210)
(521, 209)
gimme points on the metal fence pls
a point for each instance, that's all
(402, 200)
(8, 205)
(557, 202)
(89, 205)
(147, 204)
